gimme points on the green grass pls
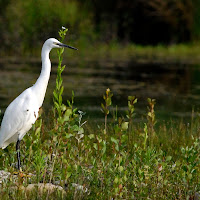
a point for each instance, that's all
(181, 53)
(116, 52)
(119, 163)
(116, 159)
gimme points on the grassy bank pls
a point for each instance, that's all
(116, 52)
(181, 53)
(118, 158)
(115, 159)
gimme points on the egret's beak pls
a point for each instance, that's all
(64, 45)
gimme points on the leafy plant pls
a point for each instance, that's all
(151, 117)
(132, 100)
(58, 91)
(76, 155)
(105, 107)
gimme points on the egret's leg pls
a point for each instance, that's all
(18, 154)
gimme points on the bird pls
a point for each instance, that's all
(22, 112)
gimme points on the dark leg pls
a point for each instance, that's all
(18, 154)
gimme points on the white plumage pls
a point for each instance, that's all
(19, 117)
(22, 113)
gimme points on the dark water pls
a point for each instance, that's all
(176, 87)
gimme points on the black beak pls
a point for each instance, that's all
(64, 45)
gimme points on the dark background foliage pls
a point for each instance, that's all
(25, 24)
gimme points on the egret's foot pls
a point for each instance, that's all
(18, 172)
(21, 174)
(15, 173)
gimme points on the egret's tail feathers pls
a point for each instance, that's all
(4, 145)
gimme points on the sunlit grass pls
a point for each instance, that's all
(117, 163)
(183, 53)
(114, 51)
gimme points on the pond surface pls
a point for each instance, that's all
(176, 87)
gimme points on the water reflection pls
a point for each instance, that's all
(175, 86)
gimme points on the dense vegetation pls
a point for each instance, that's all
(26, 24)
(117, 159)
(120, 158)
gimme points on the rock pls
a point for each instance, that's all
(4, 176)
(42, 188)
(80, 187)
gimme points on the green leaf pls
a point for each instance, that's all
(75, 127)
(68, 135)
(61, 90)
(66, 118)
(81, 130)
(116, 143)
(104, 147)
(114, 140)
(69, 103)
(75, 109)
(62, 68)
(63, 107)
(55, 95)
(124, 126)
(116, 128)
(56, 105)
(68, 112)
(91, 136)
(190, 176)
(60, 100)
(168, 158)
(95, 146)
(150, 114)
(108, 102)
(120, 168)
(139, 171)
(116, 180)
(102, 106)
(107, 111)
(37, 131)
(68, 175)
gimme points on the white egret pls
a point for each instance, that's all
(22, 113)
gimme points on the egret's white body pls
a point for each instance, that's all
(22, 113)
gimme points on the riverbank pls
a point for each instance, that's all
(168, 74)
(126, 160)
(117, 157)
(115, 52)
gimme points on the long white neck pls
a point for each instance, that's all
(41, 84)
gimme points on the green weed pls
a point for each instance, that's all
(122, 160)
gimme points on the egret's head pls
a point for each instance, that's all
(54, 43)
